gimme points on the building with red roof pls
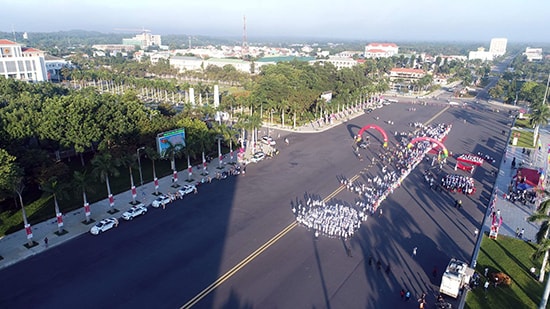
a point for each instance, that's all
(381, 50)
(23, 63)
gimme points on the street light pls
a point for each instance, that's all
(139, 165)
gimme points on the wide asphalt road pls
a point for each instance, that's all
(218, 237)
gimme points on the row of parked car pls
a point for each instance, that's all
(139, 210)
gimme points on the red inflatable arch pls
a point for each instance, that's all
(431, 140)
(372, 126)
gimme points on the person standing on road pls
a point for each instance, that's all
(521, 233)
(46, 242)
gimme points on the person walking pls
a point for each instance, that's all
(407, 295)
(402, 293)
(414, 251)
(521, 233)
(46, 242)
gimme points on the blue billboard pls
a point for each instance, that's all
(174, 138)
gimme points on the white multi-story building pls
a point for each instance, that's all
(338, 62)
(381, 50)
(143, 40)
(481, 54)
(54, 66)
(498, 46)
(533, 54)
(22, 63)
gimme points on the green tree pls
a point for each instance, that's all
(8, 171)
(81, 181)
(153, 155)
(105, 165)
(130, 162)
(58, 190)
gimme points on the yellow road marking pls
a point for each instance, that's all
(269, 243)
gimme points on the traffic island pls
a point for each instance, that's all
(91, 221)
(31, 245)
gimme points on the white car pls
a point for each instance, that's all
(187, 189)
(104, 225)
(268, 141)
(258, 156)
(161, 199)
(135, 211)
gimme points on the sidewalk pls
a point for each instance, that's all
(515, 214)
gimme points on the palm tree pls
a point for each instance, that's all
(105, 165)
(539, 116)
(541, 215)
(82, 181)
(204, 140)
(58, 190)
(228, 135)
(171, 152)
(129, 161)
(18, 187)
(189, 151)
(153, 155)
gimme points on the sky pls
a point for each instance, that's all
(385, 20)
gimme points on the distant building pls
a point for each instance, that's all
(481, 54)
(114, 48)
(54, 66)
(23, 63)
(338, 62)
(381, 50)
(143, 40)
(533, 54)
(403, 77)
(498, 46)
(184, 63)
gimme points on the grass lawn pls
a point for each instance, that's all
(523, 123)
(525, 138)
(512, 257)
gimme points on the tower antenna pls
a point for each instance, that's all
(244, 47)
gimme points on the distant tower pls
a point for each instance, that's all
(189, 37)
(244, 48)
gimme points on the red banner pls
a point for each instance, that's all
(134, 192)
(156, 183)
(28, 230)
(87, 209)
(175, 176)
(111, 200)
(59, 219)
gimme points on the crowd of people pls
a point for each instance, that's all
(337, 220)
(332, 220)
(458, 183)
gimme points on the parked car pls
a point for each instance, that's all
(268, 140)
(134, 211)
(104, 225)
(258, 156)
(161, 199)
(187, 189)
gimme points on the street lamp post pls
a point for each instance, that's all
(139, 165)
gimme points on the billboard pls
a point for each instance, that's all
(174, 138)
